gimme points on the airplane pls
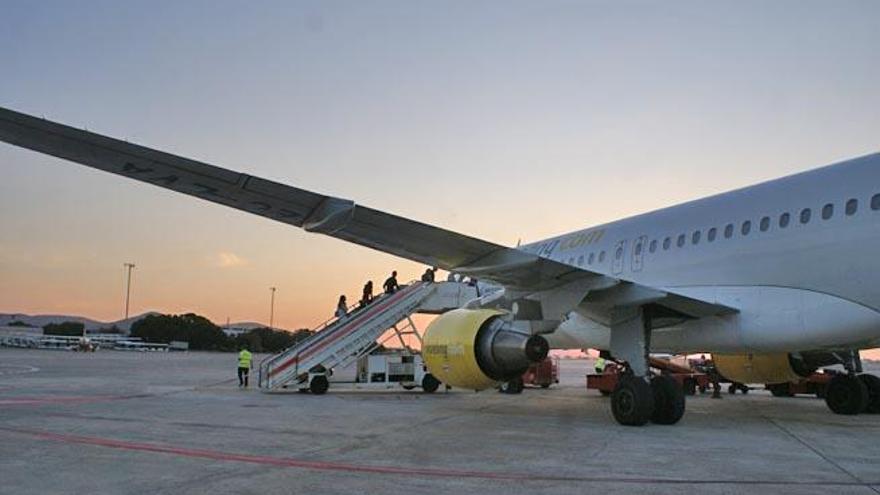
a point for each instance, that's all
(775, 280)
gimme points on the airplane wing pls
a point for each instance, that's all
(319, 213)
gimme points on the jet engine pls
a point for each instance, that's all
(771, 368)
(476, 348)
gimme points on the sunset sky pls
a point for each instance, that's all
(503, 120)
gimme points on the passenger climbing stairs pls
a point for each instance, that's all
(341, 341)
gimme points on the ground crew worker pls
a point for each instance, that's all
(390, 284)
(599, 367)
(244, 366)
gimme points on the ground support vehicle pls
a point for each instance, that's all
(392, 369)
(815, 384)
(541, 374)
(689, 380)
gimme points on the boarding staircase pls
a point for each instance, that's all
(340, 341)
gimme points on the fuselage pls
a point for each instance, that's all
(798, 256)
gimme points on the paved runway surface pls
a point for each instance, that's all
(132, 423)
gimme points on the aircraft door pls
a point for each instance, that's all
(619, 255)
(638, 253)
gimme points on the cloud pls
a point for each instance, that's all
(225, 259)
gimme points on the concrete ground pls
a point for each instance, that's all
(129, 423)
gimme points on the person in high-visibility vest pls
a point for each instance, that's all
(244, 366)
(600, 365)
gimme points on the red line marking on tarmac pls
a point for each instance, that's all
(390, 470)
(256, 459)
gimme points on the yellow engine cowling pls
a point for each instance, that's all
(756, 368)
(475, 349)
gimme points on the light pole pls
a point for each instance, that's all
(272, 309)
(128, 267)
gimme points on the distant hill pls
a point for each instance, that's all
(39, 321)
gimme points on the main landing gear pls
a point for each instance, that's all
(639, 398)
(853, 393)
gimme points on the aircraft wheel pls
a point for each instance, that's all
(668, 401)
(779, 389)
(690, 387)
(846, 394)
(319, 385)
(872, 383)
(731, 389)
(430, 384)
(632, 401)
(514, 386)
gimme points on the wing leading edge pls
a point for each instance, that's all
(314, 212)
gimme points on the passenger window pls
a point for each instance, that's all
(784, 220)
(638, 249)
(680, 241)
(619, 253)
(746, 227)
(571, 260)
(580, 260)
(875, 202)
(695, 239)
(601, 256)
(827, 211)
(591, 258)
(713, 232)
(728, 231)
(765, 224)
(852, 206)
(653, 246)
(666, 243)
(805, 215)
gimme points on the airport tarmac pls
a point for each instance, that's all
(132, 423)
